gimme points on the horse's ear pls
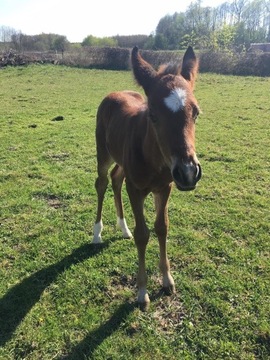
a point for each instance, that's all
(190, 66)
(144, 73)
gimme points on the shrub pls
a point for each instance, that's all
(253, 64)
(217, 62)
(257, 64)
(113, 58)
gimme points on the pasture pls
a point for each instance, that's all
(62, 297)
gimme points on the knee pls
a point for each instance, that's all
(101, 183)
(141, 235)
(161, 228)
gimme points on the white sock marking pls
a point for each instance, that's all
(143, 297)
(121, 223)
(176, 100)
(98, 227)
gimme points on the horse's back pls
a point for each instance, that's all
(120, 106)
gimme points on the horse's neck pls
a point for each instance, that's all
(151, 149)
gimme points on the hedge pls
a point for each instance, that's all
(110, 58)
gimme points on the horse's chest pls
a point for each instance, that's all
(145, 177)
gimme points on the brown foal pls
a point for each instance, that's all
(152, 143)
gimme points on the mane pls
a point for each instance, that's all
(170, 68)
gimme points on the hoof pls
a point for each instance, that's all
(143, 300)
(97, 240)
(127, 235)
(97, 233)
(121, 223)
(169, 290)
(144, 306)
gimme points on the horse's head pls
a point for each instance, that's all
(172, 110)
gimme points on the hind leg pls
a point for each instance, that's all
(117, 176)
(101, 186)
(104, 161)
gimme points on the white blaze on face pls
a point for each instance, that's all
(176, 100)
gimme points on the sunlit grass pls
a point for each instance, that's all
(63, 298)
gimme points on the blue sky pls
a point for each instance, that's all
(79, 18)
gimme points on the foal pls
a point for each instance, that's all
(152, 143)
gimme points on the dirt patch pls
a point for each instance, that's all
(51, 200)
(169, 313)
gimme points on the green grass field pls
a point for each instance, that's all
(63, 298)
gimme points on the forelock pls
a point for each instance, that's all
(169, 69)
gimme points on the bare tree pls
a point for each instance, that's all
(237, 8)
(6, 33)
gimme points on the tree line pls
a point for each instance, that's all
(41, 42)
(234, 24)
(231, 25)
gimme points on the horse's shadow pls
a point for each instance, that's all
(20, 299)
(86, 348)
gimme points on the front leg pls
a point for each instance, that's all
(161, 228)
(141, 237)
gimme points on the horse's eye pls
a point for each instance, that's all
(195, 113)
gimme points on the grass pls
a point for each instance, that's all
(61, 297)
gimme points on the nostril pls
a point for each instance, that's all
(177, 176)
(186, 175)
(199, 172)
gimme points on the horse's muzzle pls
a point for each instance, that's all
(186, 175)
